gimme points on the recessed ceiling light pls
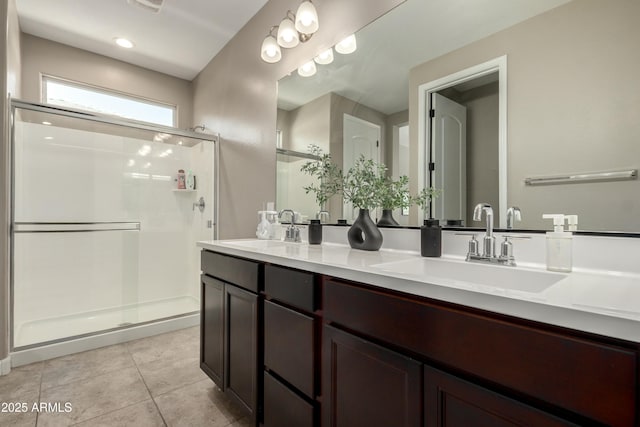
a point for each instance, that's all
(48, 137)
(46, 123)
(122, 42)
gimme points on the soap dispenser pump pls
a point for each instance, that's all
(262, 232)
(559, 244)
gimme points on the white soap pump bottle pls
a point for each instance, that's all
(262, 232)
(559, 244)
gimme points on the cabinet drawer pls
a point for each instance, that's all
(288, 346)
(240, 272)
(590, 378)
(290, 286)
(282, 407)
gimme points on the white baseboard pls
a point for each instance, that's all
(37, 354)
(5, 366)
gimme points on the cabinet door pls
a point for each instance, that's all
(452, 402)
(212, 329)
(242, 344)
(367, 385)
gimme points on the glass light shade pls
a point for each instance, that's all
(307, 69)
(270, 51)
(307, 18)
(287, 34)
(325, 57)
(348, 45)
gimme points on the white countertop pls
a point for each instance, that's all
(606, 303)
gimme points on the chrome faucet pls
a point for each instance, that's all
(488, 242)
(322, 213)
(513, 214)
(292, 234)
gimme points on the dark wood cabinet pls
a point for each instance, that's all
(241, 367)
(452, 402)
(368, 385)
(283, 407)
(304, 350)
(212, 328)
(564, 372)
(230, 322)
(289, 346)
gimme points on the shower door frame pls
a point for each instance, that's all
(19, 104)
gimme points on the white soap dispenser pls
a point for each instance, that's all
(274, 226)
(262, 232)
(559, 245)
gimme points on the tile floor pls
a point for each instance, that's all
(154, 381)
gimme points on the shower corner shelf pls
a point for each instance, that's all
(180, 190)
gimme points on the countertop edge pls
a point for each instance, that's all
(583, 321)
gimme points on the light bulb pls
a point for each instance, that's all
(122, 42)
(307, 18)
(270, 51)
(325, 57)
(347, 45)
(307, 69)
(287, 34)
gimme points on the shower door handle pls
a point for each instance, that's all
(199, 204)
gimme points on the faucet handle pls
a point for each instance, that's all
(473, 246)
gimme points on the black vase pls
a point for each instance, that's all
(364, 234)
(387, 218)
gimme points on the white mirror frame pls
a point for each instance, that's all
(424, 123)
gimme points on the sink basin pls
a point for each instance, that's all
(258, 244)
(511, 278)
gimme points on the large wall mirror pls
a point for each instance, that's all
(554, 129)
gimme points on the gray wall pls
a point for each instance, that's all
(236, 95)
(573, 96)
(9, 85)
(40, 56)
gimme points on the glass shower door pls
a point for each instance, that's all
(103, 238)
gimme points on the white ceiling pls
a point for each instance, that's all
(417, 31)
(180, 40)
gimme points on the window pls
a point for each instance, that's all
(83, 97)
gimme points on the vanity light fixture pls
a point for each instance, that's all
(270, 51)
(125, 43)
(307, 18)
(287, 33)
(325, 57)
(347, 45)
(307, 69)
(293, 29)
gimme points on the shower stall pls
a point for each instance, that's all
(103, 232)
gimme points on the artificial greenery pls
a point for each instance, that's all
(329, 176)
(424, 197)
(364, 183)
(394, 194)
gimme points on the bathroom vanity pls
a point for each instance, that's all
(324, 335)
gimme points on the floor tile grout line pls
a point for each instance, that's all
(147, 387)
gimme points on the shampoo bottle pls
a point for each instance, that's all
(559, 245)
